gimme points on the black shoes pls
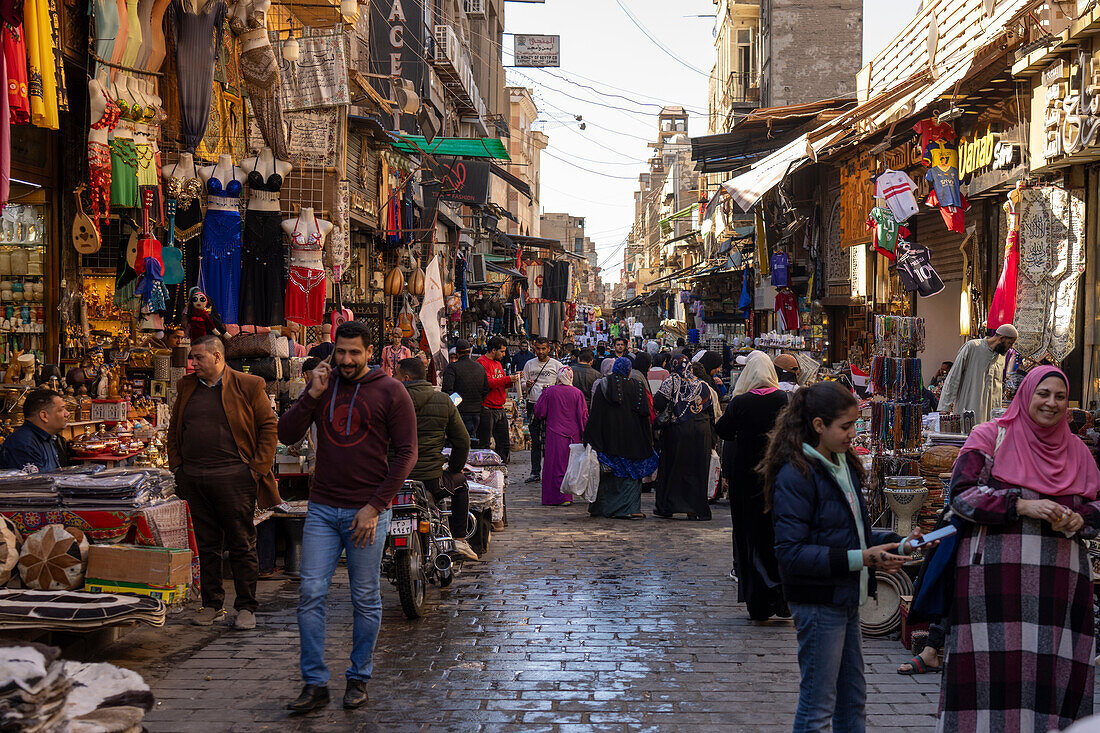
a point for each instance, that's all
(355, 696)
(312, 698)
(533, 479)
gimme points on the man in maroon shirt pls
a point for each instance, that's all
(494, 422)
(362, 416)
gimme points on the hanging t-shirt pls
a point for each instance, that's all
(954, 217)
(930, 131)
(897, 188)
(884, 231)
(534, 281)
(916, 271)
(786, 310)
(945, 184)
(780, 264)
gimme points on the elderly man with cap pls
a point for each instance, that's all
(786, 368)
(976, 378)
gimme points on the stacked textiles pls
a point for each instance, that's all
(33, 688)
(23, 492)
(123, 488)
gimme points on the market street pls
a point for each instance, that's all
(571, 623)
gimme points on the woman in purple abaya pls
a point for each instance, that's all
(565, 411)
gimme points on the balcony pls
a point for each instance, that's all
(451, 60)
(743, 88)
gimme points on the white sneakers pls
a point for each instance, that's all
(462, 547)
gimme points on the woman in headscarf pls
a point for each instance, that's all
(1019, 652)
(563, 408)
(744, 428)
(640, 371)
(619, 431)
(685, 444)
(711, 362)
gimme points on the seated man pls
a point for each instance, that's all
(35, 447)
(437, 419)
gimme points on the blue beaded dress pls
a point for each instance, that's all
(220, 265)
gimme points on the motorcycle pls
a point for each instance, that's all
(418, 546)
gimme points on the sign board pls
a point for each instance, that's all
(856, 200)
(456, 179)
(397, 48)
(531, 50)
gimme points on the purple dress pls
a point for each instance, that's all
(565, 411)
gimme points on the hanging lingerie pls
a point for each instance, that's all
(124, 176)
(305, 296)
(312, 242)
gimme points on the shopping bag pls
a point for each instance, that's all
(582, 473)
(714, 476)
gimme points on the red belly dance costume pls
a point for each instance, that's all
(99, 163)
(305, 286)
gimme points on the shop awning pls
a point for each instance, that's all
(681, 214)
(512, 180)
(459, 147)
(511, 271)
(749, 187)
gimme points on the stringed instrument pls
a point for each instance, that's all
(85, 233)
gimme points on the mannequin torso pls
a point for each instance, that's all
(98, 100)
(307, 237)
(268, 179)
(222, 194)
(157, 50)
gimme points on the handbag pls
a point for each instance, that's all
(251, 345)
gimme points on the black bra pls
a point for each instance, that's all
(273, 183)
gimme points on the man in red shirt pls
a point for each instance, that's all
(494, 422)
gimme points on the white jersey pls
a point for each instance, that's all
(897, 188)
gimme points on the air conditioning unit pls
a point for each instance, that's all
(475, 8)
(478, 272)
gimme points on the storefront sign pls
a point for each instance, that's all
(397, 48)
(319, 78)
(537, 50)
(462, 180)
(977, 153)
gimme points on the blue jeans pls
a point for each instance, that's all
(830, 657)
(327, 532)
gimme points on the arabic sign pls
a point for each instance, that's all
(537, 50)
(319, 78)
(397, 48)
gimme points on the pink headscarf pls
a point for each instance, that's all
(1052, 461)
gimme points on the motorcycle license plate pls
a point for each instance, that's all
(401, 526)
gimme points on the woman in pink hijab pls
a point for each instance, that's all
(1019, 654)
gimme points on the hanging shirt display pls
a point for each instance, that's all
(944, 174)
(916, 271)
(884, 231)
(786, 310)
(897, 188)
(780, 264)
(534, 282)
(745, 304)
(930, 131)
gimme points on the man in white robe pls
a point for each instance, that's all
(976, 378)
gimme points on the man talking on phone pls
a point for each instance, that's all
(362, 416)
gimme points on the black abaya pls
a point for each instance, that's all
(744, 427)
(685, 449)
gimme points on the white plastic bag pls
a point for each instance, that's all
(714, 475)
(582, 475)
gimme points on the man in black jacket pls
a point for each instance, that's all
(584, 376)
(468, 378)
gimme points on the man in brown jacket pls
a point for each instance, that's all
(221, 445)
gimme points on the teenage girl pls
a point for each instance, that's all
(826, 549)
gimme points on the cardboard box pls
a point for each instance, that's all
(168, 594)
(155, 566)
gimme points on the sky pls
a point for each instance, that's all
(663, 56)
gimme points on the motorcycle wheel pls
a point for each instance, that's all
(411, 584)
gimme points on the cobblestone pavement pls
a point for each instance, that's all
(570, 624)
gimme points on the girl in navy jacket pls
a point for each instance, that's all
(826, 548)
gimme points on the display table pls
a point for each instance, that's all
(161, 525)
(118, 461)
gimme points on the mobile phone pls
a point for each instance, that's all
(940, 534)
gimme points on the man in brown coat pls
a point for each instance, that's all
(221, 445)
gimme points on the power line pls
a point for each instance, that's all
(589, 170)
(657, 43)
(618, 96)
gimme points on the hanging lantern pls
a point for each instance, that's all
(350, 10)
(290, 50)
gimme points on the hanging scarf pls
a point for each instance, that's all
(1052, 461)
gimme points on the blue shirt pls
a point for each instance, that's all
(30, 445)
(520, 358)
